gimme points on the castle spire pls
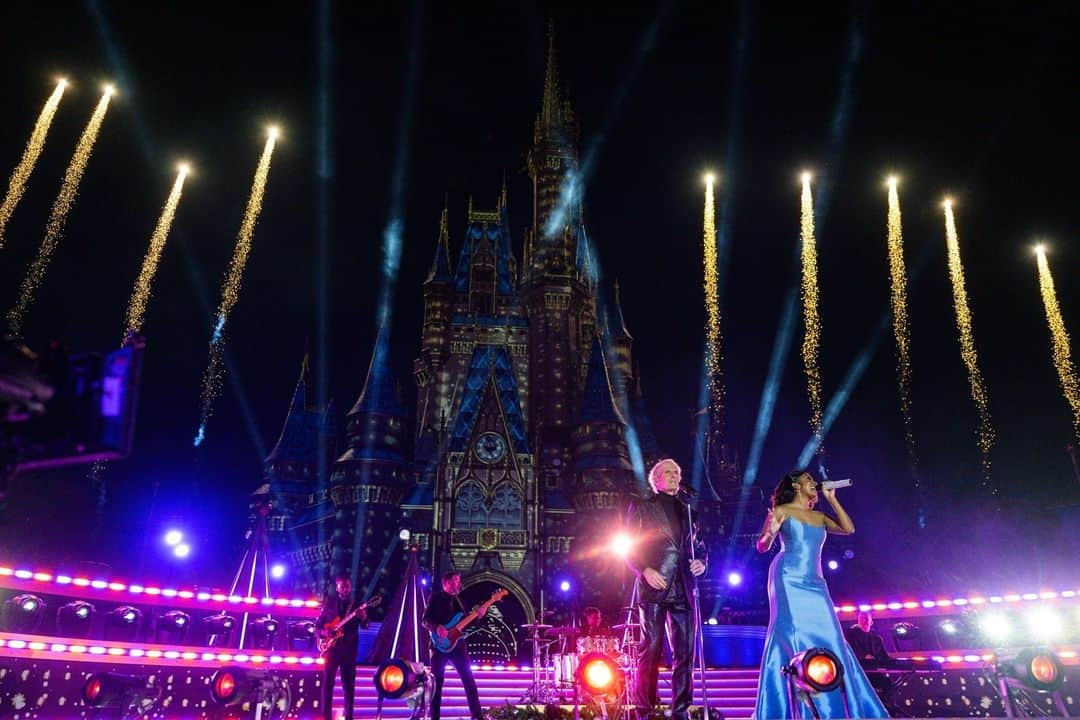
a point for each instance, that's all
(555, 117)
(440, 267)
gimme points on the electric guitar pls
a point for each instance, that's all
(335, 628)
(457, 624)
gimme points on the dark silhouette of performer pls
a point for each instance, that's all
(343, 653)
(594, 624)
(443, 606)
(867, 644)
(660, 557)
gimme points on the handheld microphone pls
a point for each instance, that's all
(833, 484)
(687, 490)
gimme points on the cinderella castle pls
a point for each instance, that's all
(529, 433)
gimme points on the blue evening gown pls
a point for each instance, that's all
(801, 616)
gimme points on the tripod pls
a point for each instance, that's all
(258, 544)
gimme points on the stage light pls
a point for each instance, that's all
(173, 537)
(816, 670)
(564, 585)
(599, 675)
(834, 565)
(905, 630)
(238, 686)
(397, 677)
(277, 571)
(174, 623)
(131, 694)
(734, 579)
(712, 621)
(1044, 623)
(122, 623)
(949, 627)
(218, 628)
(303, 632)
(404, 534)
(995, 626)
(621, 545)
(1037, 668)
(73, 619)
(24, 612)
(264, 632)
(182, 550)
(424, 581)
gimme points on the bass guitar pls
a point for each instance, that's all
(335, 629)
(456, 627)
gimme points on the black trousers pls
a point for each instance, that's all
(657, 615)
(460, 657)
(343, 657)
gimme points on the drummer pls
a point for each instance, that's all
(594, 624)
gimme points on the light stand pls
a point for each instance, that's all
(258, 544)
(699, 630)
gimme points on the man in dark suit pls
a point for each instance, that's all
(660, 556)
(443, 607)
(867, 644)
(343, 653)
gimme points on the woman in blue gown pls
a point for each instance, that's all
(801, 614)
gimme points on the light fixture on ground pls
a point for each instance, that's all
(1028, 670)
(74, 619)
(266, 691)
(133, 695)
(24, 612)
(813, 671)
(600, 676)
(397, 678)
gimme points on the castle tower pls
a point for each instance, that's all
(370, 480)
(290, 476)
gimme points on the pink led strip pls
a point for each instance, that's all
(946, 605)
(83, 587)
(83, 650)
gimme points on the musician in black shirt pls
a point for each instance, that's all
(867, 644)
(343, 653)
(442, 607)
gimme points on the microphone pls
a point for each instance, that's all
(833, 484)
(687, 490)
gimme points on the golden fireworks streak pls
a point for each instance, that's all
(811, 318)
(54, 228)
(230, 290)
(1059, 336)
(898, 276)
(967, 345)
(21, 175)
(712, 304)
(140, 295)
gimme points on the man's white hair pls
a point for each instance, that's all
(654, 472)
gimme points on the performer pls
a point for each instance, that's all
(343, 653)
(443, 606)
(661, 560)
(801, 614)
(594, 624)
(867, 644)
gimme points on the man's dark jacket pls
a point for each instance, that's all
(660, 537)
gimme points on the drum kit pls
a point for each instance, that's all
(557, 652)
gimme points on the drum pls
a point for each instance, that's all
(565, 667)
(604, 644)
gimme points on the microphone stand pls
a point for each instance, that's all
(699, 631)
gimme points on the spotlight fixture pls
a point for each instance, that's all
(949, 626)
(174, 623)
(404, 535)
(622, 545)
(278, 570)
(816, 670)
(905, 631)
(123, 623)
(599, 675)
(232, 686)
(1037, 668)
(564, 586)
(218, 629)
(133, 695)
(24, 612)
(73, 619)
(397, 677)
(264, 632)
(303, 632)
(173, 538)
(734, 578)
(995, 627)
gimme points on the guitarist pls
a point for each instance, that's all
(343, 653)
(442, 607)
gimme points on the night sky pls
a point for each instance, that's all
(967, 99)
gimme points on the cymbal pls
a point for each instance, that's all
(564, 630)
(629, 608)
(536, 626)
(624, 626)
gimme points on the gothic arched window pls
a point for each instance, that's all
(470, 510)
(506, 508)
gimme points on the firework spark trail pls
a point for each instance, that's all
(230, 290)
(967, 346)
(54, 228)
(1059, 336)
(21, 174)
(140, 295)
(712, 304)
(812, 321)
(898, 296)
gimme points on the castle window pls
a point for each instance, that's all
(506, 508)
(470, 510)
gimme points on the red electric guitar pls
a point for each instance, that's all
(334, 628)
